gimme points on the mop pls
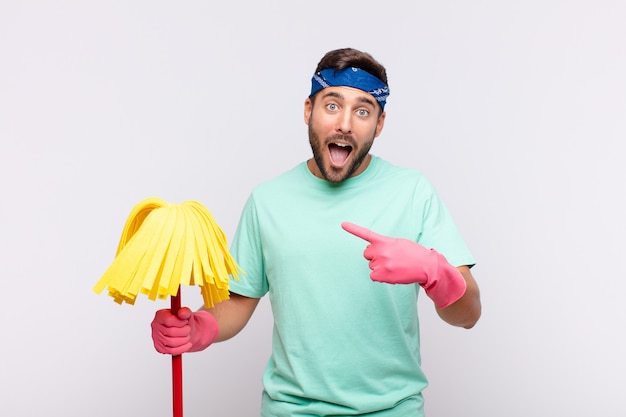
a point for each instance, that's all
(164, 246)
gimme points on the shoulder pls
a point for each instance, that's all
(280, 189)
(401, 174)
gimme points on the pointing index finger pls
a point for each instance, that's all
(361, 232)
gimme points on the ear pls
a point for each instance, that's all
(380, 123)
(308, 108)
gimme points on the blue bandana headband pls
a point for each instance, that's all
(351, 77)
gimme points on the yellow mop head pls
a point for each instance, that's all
(165, 245)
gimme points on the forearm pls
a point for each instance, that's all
(232, 315)
(466, 311)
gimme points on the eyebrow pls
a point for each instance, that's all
(340, 96)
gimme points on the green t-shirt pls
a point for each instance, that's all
(342, 345)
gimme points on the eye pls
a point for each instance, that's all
(363, 112)
(332, 106)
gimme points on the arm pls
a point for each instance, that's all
(190, 331)
(465, 312)
(232, 315)
(402, 261)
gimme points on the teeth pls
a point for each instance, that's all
(342, 145)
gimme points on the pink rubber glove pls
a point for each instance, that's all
(185, 332)
(402, 261)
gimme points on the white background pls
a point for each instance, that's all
(516, 111)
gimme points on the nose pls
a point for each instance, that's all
(344, 123)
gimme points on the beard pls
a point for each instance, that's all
(330, 173)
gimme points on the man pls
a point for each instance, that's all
(346, 332)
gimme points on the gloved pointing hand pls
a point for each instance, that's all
(185, 332)
(402, 261)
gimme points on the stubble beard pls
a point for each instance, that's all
(329, 173)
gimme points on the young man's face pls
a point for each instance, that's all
(343, 123)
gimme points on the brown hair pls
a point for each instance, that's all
(340, 59)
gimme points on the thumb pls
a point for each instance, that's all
(184, 313)
(362, 232)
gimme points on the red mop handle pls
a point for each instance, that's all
(177, 368)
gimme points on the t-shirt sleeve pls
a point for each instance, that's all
(440, 232)
(246, 249)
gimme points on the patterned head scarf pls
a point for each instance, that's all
(351, 77)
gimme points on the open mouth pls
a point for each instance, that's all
(339, 153)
